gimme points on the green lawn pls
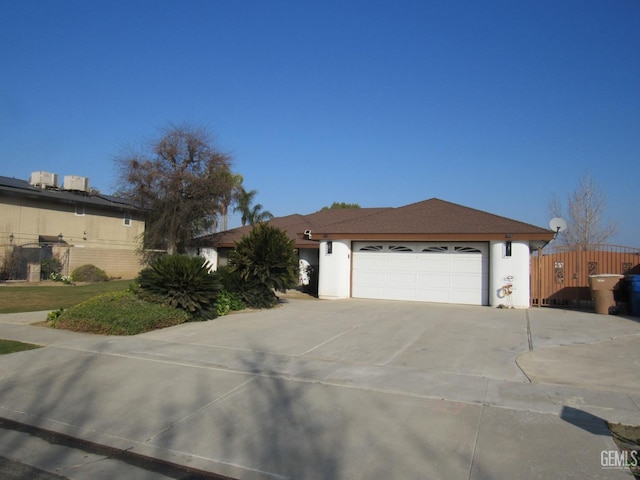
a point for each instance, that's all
(36, 298)
(11, 346)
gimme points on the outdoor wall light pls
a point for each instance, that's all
(11, 237)
(60, 238)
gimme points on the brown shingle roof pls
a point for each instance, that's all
(289, 224)
(429, 219)
(433, 217)
(331, 216)
(294, 225)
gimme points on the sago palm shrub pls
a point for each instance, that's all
(263, 261)
(181, 281)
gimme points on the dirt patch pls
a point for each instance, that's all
(43, 323)
(627, 438)
(293, 293)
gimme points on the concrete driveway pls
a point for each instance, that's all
(336, 389)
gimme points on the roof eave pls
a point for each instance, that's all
(467, 237)
(68, 198)
(210, 241)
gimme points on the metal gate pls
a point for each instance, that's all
(35, 261)
(559, 275)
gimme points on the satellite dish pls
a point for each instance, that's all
(558, 225)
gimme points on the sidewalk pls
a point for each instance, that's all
(344, 389)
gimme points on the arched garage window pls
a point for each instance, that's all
(436, 249)
(400, 248)
(467, 250)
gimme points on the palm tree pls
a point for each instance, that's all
(235, 187)
(244, 200)
(250, 214)
(257, 215)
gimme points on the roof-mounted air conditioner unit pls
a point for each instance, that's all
(44, 179)
(73, 182)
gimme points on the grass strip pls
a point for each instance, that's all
(11, 346)
(14, 299)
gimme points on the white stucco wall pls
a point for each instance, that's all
(501, 266)
(211, 257)
(335, 268)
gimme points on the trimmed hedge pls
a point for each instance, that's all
(89, 273)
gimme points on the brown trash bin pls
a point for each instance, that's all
(601, 287)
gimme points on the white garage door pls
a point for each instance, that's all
(443, 272)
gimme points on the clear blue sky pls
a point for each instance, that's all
(491, 104)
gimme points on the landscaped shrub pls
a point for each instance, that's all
(229, 302)
(181, 281)
(252, 292)
(116, 313)
(14, 265)
(50, 266)
(4, 272)
(58, 277)
(230, 279)
(264, 260)
(89, 273)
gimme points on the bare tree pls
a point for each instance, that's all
(584, 215)
(182, 181)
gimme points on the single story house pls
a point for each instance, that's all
(430, 251)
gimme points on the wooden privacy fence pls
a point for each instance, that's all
(559, 275)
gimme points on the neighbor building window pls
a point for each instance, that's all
(80, 211)
(329, 247)
(127, 220)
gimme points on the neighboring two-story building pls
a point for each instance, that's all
(41, 219)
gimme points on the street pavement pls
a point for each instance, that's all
(344, 389)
